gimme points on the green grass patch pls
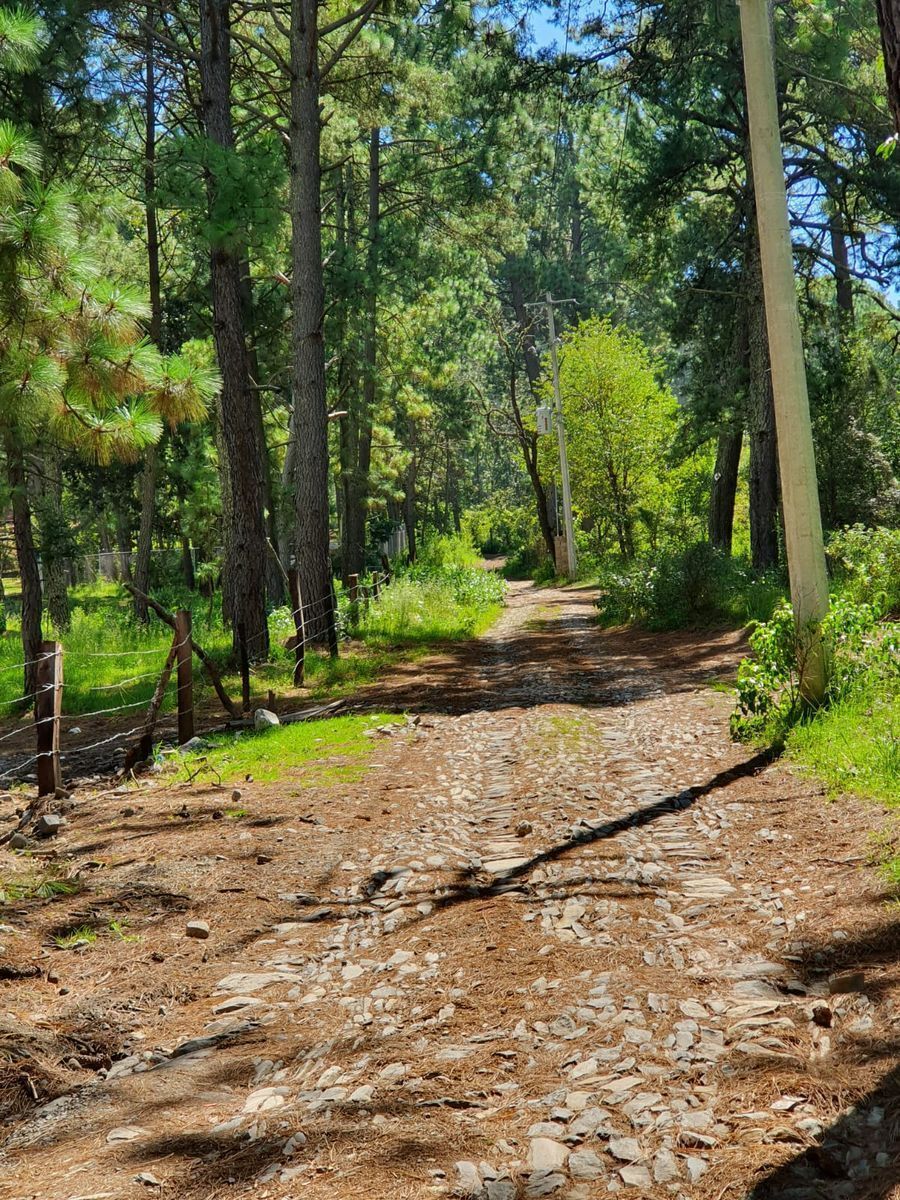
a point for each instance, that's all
(853, 746)
(270, 754)
(38, 888)
(426, 610)
(82, 935)
(113, 663)
(118, 930)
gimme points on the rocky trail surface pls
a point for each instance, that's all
(564, 939)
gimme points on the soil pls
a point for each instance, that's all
(564, 938)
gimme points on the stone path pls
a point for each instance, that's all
(595, 958)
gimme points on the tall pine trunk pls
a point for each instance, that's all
(889, 24)
(245, 540)
(274, 577)
(308, 345)
(843, 281)
(760, 418)
(151, 462)
(528, 443)
(51, 525)
(26, 554)
(356, 490)
(724, 488)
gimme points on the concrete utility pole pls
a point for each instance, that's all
(796, 458)
(571, 558)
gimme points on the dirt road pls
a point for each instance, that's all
(564, 939)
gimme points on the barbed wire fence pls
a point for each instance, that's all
(51, 753)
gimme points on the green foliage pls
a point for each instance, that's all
(75, 939)
(20, 37)
(501, 524)
(697, 585)
(240, 214)
(862, 654)
(72, 357)
(434, 603)
(41, 887)
(854, 745)
(447, 551)
(620, 424)
(866, 566)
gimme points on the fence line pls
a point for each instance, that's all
(49, 777)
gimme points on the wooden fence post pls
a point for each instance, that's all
(47, 707)
(332, 623)
(185, 661)
(245, 666)
(300, 639)
(376, 586)
(353, 593)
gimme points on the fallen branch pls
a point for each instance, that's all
(209, 666)
(306, 714)
(143, 748)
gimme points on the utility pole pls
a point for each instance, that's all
(571, 559)
(796, 457)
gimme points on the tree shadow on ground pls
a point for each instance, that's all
(844, 1162)
(470, 884)
(569, 661)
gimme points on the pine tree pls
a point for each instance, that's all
(74, 367)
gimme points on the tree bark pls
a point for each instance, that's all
(151, 462)
(804, 544)
(410, 493)
(56, 576)
(359, 433)
(123, 541)
(760, 419)
(308, 346)
(889, 24)
(528, 444)
(528, 441)
(274, 577)
(245, 542)
(843, 282)
(26, 554)
(724, 489)
(187, 563)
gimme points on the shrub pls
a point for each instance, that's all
(447, 550)
(866, 566)
(861, 653)
(695, 585)
(525, 563)
(501, 524)
(426, 604)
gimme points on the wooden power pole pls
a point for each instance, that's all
(796, 457)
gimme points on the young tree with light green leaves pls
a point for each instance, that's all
(620, 423)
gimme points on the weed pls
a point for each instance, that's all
(83, 935)
(117, 929)
(46, 888)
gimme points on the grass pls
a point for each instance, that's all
(110, 662)
(88, 935)
(40, 888)
(270, 754)
(853, 746)
(416, 611)
(83, 935)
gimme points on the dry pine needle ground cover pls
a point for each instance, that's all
(559, 937)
